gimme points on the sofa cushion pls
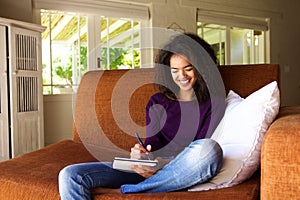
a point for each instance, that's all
(35, 175)
(240, 134)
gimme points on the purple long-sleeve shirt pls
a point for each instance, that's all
(172, 125)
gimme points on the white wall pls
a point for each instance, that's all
(58, 117)
(284, 48)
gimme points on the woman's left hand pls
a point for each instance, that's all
(147, 171)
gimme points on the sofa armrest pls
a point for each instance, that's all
(280, 160)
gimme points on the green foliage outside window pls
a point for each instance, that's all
(116, 56)
(65, 72)
(119, 58)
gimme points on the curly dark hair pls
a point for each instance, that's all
(188, 45)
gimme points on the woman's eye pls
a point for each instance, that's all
(188, 69)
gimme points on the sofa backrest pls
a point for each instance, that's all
(245, 79)
(110, 105)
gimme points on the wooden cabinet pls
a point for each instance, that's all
(21, 92)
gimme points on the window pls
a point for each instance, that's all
(235, 39)
(120, 44)
(74, 43)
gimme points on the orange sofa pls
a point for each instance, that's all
(96, 127)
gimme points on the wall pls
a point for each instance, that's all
(284, 49)
(165, 13)
(16, 9)
(58, 117)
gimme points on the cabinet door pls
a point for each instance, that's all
(4, 131)
(26, 98)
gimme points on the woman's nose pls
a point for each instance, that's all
(182, 73)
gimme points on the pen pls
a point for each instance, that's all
(142, 144)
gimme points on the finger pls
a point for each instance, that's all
(140, 147)
(139, 169)
(136, 155)
(149, 147)
(138, 152)
(146, 174)
(137, 149)
(144, 171)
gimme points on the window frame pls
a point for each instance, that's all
(92, 9)
(230, 20)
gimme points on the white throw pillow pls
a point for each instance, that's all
(240, 134)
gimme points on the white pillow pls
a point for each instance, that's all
(240, 134)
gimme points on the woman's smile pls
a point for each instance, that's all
(185, 82)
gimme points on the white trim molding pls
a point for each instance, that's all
(103, 7)
(240, 21)
(235, 7)
(21, 24)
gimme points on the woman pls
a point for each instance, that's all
(178, 119)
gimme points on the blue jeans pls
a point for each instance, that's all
(197, 163)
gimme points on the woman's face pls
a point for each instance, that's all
(182, 72)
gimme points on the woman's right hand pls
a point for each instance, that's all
(139, 152)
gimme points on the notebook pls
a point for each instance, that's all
(123, 164)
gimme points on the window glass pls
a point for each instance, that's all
(120, 43)
(234, 45)
(215, 36)
(66, 52)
